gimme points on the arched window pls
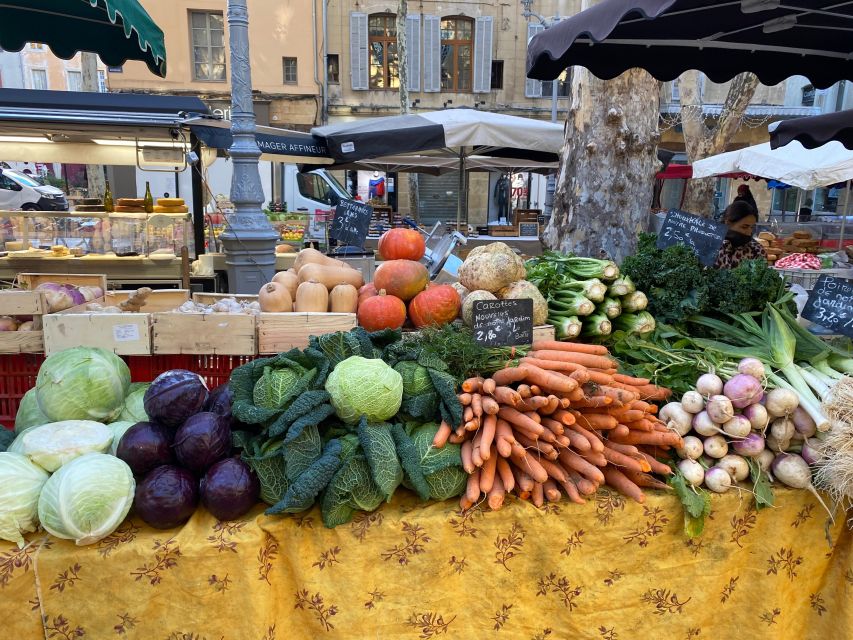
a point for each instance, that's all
(457, 46)
(382, 46)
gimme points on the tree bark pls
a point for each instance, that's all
(402, 65)
(96, 182)
(607, 165)
(702, 141)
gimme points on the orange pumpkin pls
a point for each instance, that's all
(402, 244)
(435, 305)
(402, 278)
(381, 312)
(367, 291)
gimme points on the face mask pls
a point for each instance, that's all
(737, 238)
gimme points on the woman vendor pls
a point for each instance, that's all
(740, 217)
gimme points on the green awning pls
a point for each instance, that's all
(116, 30)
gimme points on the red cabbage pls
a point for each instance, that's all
(167, 497)
(174, 396)
(145, 446)
(203, 439)
(229, 489)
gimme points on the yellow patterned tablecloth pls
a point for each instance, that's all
(608, 571)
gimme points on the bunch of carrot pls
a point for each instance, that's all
(561, 421)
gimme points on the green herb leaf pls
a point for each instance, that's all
(695, 501)
(762, 493)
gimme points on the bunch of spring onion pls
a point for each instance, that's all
(587, 296)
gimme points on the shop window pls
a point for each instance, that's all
(457, 44)
(497, 74)
(289, 66)
(207, 38)
(333, 68)
(382, 44)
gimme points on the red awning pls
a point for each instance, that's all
(676, 172)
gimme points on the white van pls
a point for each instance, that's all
(22, 191)
(311, 191)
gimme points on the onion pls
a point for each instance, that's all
(781, 402)
(58, 297)
(691, 448)
(752, 367)
(7, 323)
(693, 402)
(692, 472)
(709, 385)
(720, 409)
(738, 427)
(716, 447)
(736, 467)
(718, 480)
(757, 416)
(751, 446)
(743, 390)
(26, 326)
(676, 418)
(803, 422)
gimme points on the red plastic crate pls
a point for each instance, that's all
(17, 376)
(215, 369)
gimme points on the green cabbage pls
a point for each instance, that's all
(365, 387)
(29, 414)
(87, 499)
(54, 444)
(22, 482)
(118, 429)
(416, 378)
(134, 409)
(381, 455)
(442, 468)
(275, 388)
(82, 383)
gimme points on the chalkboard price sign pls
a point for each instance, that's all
(351, 222)
(503, 323)
(703, 236)
(830, 304)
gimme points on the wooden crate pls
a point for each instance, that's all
(278, 332)
(231, 334)
(544, 332)
(15, 302)
(123, 333)
(32, 280)
(212, 298)
(503, 230)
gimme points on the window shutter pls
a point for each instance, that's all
(413, 37)
(432, 54)
(483, 54)
(533, 88)
(358, 51)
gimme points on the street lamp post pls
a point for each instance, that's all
(249, 239)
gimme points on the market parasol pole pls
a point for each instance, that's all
(461, 188)
(844, 218)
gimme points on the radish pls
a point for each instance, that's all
(676, 418)
(718, 480)
(693, 402)
(691, 448)
(752, 367)
(792, 471)
(751, 446)
(738, 427)
(757, 416)
(709, 385)
(720, 409)
(781, 402)
(803, 422)
(743, 390)
(692, 472)
(736, 466)
(715, 446)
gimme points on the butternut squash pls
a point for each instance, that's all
(289, 280)
(343, 299)
(275, 298)
(312, 256)
(331, 276)
(312, 296)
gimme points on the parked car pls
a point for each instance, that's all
(21, 191)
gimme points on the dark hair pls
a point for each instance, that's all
(737, 211)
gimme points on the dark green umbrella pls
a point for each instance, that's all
(116, 30)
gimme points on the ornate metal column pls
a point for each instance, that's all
(249, 239)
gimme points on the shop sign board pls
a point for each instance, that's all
(702, 235)
(503, 323)
(830, 304)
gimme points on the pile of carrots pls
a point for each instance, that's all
(561, 421)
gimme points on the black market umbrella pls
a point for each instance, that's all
(774, 39)
(814, 131)
(116, 30)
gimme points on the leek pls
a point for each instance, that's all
(611, 307)
(635, 323)
(597, 325)
(636, 301)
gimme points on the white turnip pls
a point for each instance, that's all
(765, 459)
(811, 451)
(783, 430)
(704, 426)
(692, 472)
(803, 422)
(757, 416)
(676, 418)
(720, 409)
(792, 471)
(743, 390)
(736, 466)
(718, 480)
(709, 385)
(693, 402)
(751, 446)
(781, 402)
(752, 367)
(715, 447)
(691, 448)
(738, 427)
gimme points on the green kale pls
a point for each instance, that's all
(300, 494)
(381, 454)
(748, 287)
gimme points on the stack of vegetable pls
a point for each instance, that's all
(401, 290)
(587, 297)
(562, 420)
(64, 296)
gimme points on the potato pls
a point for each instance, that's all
(468, 305)
(524, 289)
(491, 268)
